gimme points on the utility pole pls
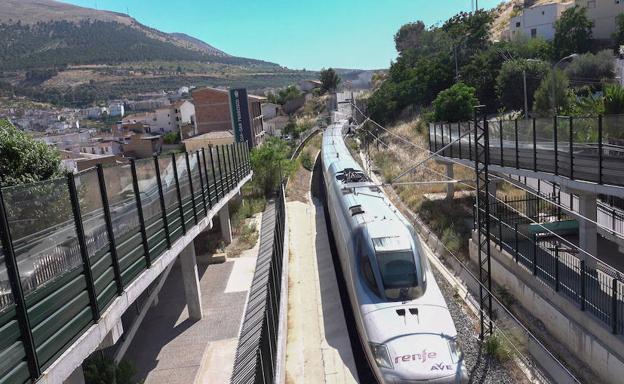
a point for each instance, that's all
(526, 101)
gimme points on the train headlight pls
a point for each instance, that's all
(381, 355)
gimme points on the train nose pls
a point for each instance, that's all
(424, 358)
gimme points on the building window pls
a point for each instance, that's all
(517, 24)
(533, 32)
(592, 4)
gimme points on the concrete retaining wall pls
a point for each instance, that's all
(590, 340)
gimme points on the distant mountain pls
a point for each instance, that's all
(47, 33)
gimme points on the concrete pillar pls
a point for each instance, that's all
(77, 377)
(450, 187)
(112, 336)
(190, 279)
(588, 231)
(224, 220)
(492, 187)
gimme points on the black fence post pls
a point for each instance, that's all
(535, 249)
(137, 195)
(556, 145)
(557, 268)
(207, 178)
(442, 139)
(201, 182)
(582, 285)
(614, 308)
(516, 242)
(516, 139)
(18, 294)
(214, 173)
(179, 193)
(534, 146)
(190, 180)
(161, 197)
(429, 137)
(435, 137)
(500, 139)
(109, 229)
(229, 161)
(469, 143)
(84, 253)
(460, 139)
(599, 149)
(220, 171)
(450, 127)
(571, 149)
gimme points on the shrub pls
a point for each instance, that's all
(306, 161)
(104, 371)
(451, 239)
(171, 138)
(455, 103)
(497, 348)
(248, 236)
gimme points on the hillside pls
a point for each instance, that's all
(46, 33)
(68, 55)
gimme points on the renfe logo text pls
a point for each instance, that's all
(422, 357)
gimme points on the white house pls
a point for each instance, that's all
(269, 110)
(275, 125)
(116, 109)
(172, 117)
(603, 14)
(537, 21)
(95, 112)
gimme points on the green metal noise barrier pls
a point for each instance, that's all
(71, 245)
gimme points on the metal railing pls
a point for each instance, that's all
(71, 245)
(578, 148)
(256, 356)
(597, 289)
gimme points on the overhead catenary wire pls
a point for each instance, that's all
(548, 230)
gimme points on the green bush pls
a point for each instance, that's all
(248, 236)
(171, 138)
(498, 348)
(455, 104)
(105, 371)
(306, 161)
(451, 239)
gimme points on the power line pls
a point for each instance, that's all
(503, 202)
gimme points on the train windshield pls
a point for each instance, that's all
(398, 269)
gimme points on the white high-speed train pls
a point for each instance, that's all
(403, 321)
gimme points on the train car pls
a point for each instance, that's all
(402, 318)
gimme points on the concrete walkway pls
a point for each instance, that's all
(170, 348)
(318, 347)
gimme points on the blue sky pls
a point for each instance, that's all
(298, 34)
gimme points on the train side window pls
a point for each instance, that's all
(369, 275)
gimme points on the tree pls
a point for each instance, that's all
(284, 95)
(270, 163)
(618, 35)
(589, 69)
(23, 159)
(455, 104)
(329, 80)
(510, 82)
(409, 36)
(573, 32)
(542, 104)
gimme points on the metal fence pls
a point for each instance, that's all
(256, 356)
(71, 245)
(595, 287)
(579, 148)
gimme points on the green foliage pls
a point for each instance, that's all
(573, 32)
(171, 138)
(409, 36)
(455, 104)
(618, 35)
(248, 235)
(306, 161)
(590, 69)
(284, 95)
(543, 97)
(104, 371)
(498, 348)
(329, 80)
(471, 30)
(270, 163)
(23, 159)
(451, 239)
(510, 82)
(614, 99)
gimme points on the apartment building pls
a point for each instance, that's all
(537, 21)
(229, 110)
(603, 14)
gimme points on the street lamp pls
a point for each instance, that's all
(554, 87)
